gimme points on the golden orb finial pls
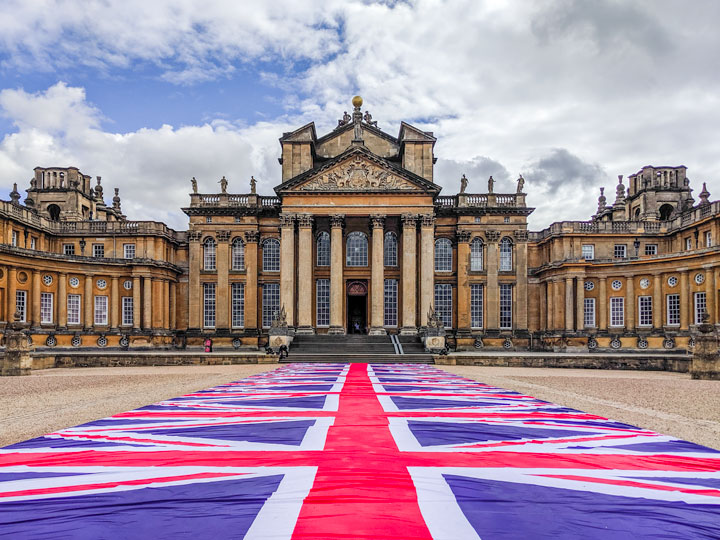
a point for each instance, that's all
(357, 102)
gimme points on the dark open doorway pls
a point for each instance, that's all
(357, 308)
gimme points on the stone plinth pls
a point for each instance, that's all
(705, 360)
(16, 360)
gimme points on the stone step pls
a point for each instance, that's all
(360, 358)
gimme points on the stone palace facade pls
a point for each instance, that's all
(359, 239)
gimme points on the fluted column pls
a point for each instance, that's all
(710, 294)
(684, 301)
(409, 274)
(602, 304)
(580, 304)
(492, 291)
(62, 300)
(35, 316)
(377, 275)
(194, 261)
(463, 287)
(305, 274)
(568, 304)
(137, 303)
(337, 283)
(287, 266)
(658, 304)
(114, 303)
(630, 303)
(251, 279)
(147, 302)
(427, 265)
(89, 316)
(222, 312)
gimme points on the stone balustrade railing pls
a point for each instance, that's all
(489, 200)
(224, 200)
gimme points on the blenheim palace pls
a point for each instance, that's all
(359, 239)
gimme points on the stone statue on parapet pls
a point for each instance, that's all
(194, 184)
(368, 119)
(345, 119)
(253, 185)
(280, 320)
(491, 184)
(463, 184)
(223, 184)
(520, 184)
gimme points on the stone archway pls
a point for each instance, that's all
(357, 298)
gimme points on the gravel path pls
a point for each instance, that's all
(53, 399)
(669, 403)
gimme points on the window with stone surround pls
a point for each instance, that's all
(323, 249)
(620, 251)
(357, 249)
(589, 313)
(271, 255)
(390, 249)
(476, 305)
(209, 259)
(237, 307)
(129, 251)
(209, 305)
(73, 309)
(21, 304)
(645, 311)
(651, 249)
(101, 310)
(46, 308)
(506, 255)
(617, 311)
(98, 250)
(476, 254)
(700, 303)
(506, 306)
(322, 302)
(390, 308)
(443, 255)
(443, 303)
(270, 303)
(238, 254)
(588, 252)
(673, 309)
(128, 307)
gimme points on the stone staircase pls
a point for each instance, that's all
(358, 348)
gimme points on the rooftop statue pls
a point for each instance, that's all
(463, 183)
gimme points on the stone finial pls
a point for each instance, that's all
(15, 195)
(620, 191)
(704, 196)
(116, 199)
(602, 201)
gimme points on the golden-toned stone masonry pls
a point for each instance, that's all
(358, 239)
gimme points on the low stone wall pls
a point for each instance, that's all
(60, 360)
(640, 362)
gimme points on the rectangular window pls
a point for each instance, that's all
(651, 249)
(270, 303)
(238, 305)
(476, 305)
(589, 313)
(21, 304)
(673, 309)
(209, 305)
(700, 306)
(68, 249)
(101, 310)
(14, 239)
(391, 302)
(73, 309)
(129, 251)
(620, 251)
(46, 308)
(688, 244)
(588, 252)
(506, 306)
(33, 242)
(645, 311)
(127, 310)
(708, 239)
(443, 303)
(322, 302)
(208, 219)
(617, 311)
(98, 250)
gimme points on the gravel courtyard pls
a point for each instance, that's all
(53, 399)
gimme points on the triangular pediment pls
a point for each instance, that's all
(358, 170)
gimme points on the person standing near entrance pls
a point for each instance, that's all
(208, 345)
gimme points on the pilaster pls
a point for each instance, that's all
(251, 279)
(35, 298)
(114, 304)
(377, 273)
(550, 304)
(493, 290)
(658, 304)
(287, 266)
(12, 290)
(137, 303)
(409, 274)
(463, 287)
(194, 261)
(684, 300)
(222, 313)
(580, 304)
(521, 275)
(710, 294)
(62, 300)
(602, 303)
(630, 303)
(305, 274)
(172, 306)
(147, 303)
(568, 304)
(337, 284)
(88, 315)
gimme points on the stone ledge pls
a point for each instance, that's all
(46, 361)
(594, 361)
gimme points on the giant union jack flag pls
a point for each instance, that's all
(319, 451)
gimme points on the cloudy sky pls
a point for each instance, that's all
(569, 93)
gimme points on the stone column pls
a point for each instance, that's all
(569, 304)
(658, 304)
(685, 299)
(427, 265)
(35, 296)
(602, 304)
(463, 287)
(542, 303)
(194, 262)
(114, 303)
(630, 303)
(251, 279)
(550, 291)
(377, 276)
(305, 274)
(287, 266)
(12, 290)
(710, 294)
(147, 302)
(409, 274)
(137, 303)
(521, 275)
(157, 302)
(89, 315)
(222, 312)
(172, 315)
(580, 304)
(337, 283)
(62, 300)
(166, 304)
(492, 291)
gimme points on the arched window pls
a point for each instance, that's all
(54, 211)
(323, 249)
(357, 249)
(271, 255)
(506, 255)
(443, 255)
(476, 254)
(390, 249)
(209, 254)
(666, 211)
(238, 254)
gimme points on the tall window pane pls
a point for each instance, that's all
(589, 313)
(209, 254)
(238, 254)
(101, 310)
(506, 261)
(673, 309)
(443, 255)
(127, 310)
(271, 255)
(73, 309)
(645, 311)
(390, 249)
(46, 307)
(238, 305)
(506, 306)
(391, 302)
(209, 305)
(476, 305)
(270, 303)
(323, 249)
(21, 304)
(357, 249)
(322, 302)
(617, 311)
(443, 303)
(476, 255)
(129, 251)
(700, 305)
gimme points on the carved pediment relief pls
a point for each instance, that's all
(358, 174)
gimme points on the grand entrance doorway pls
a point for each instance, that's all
(356, 307)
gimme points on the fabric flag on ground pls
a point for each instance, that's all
(319, 451)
